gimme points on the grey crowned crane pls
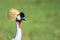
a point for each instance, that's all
(19, 19)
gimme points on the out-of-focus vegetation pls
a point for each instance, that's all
(42, 19)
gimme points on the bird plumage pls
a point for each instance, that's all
(19, 18)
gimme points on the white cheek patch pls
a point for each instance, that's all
(18, 17)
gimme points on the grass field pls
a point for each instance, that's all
(42, 19)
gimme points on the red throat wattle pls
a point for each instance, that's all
(19, 24)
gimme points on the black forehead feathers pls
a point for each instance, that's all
(22, 14)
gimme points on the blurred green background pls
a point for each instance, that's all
(42, 19)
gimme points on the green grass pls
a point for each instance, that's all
(42, 20)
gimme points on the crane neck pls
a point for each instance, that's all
(18, 25)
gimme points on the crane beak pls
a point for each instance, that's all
(23, 19)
